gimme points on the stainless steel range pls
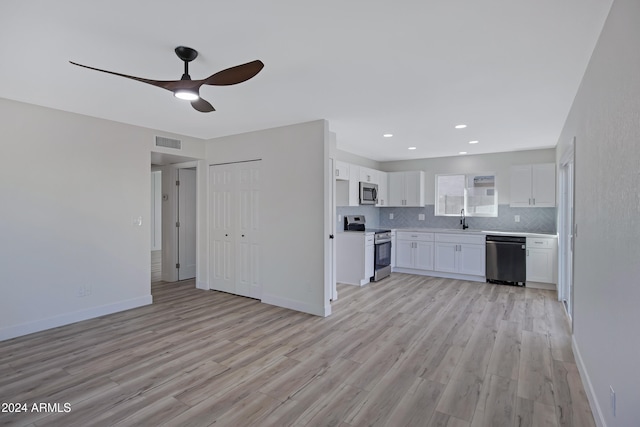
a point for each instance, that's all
(381, 245)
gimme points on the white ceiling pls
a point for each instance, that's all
(509, 69)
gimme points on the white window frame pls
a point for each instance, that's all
(470, 211)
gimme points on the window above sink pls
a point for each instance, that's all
(475, 193)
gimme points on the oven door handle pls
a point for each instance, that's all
(378, 242)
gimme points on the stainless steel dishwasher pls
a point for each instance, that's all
(506, 259)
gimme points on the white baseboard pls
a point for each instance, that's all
(440, 274)
(541, 285)
(588, 387)
(68, 318)
(292, 304)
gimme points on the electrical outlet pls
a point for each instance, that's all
(390, 216)
(612, 399)
(420, 217)
(517, 218)
(339, 218)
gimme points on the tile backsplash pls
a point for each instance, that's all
(371, 214)
(532, 220)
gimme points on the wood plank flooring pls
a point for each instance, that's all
(405, 351)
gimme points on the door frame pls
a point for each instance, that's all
(180, 193)
(170, 217)
(566, 230)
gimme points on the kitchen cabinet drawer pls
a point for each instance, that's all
(540, 242)
(415, 236)
(473, 239)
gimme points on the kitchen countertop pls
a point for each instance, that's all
(473, 231)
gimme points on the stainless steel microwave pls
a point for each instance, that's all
(368, 193)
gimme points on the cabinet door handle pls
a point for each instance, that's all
(527, 252)
(534, 201)
(529, 201)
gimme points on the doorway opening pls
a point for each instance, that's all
(156, 224)
(176, 257)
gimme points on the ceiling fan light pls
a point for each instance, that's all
(187, 95)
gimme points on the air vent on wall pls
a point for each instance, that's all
(161, 141)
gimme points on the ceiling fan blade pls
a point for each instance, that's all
(202, 106)
(234, 75)
(168, 84)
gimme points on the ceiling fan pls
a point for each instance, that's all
(188, 89)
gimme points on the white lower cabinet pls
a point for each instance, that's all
(414, 250)
(541, 259)
(393, 249)
(460, 254)
(354, 257)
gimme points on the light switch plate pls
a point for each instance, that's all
(420, 217)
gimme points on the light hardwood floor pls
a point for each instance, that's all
(405, 351)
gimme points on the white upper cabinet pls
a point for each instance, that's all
(406, 188)
(342, 171)
(368, 175)
(348, 178)
(354, 185)
(383, 192)
(533, 185)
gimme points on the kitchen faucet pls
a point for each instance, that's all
(463, 220)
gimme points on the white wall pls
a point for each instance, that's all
(70, 187)
(605, 119)
(293, 210)
(499, 163)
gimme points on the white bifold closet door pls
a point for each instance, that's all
(234, 208)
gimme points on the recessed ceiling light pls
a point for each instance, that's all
(473, 142)
(387, 135)
(462, 152)
(461, 126)
(412, 148)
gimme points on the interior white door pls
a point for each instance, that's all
(186, 224)
(248, 230)
(221, 238)
(234, 221)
